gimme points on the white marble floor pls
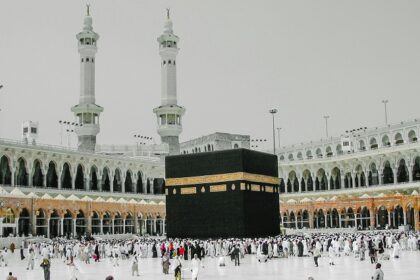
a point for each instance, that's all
(346, 268)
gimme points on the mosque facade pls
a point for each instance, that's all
(366, 178)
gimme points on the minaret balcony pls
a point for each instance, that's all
(169, 130)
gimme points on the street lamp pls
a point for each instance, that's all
(386, 112)
(326, 124)
(273, 112)
(278, 135)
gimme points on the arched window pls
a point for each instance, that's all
(87, 59)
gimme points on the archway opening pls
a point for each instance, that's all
(5, 173)
(52, 178)
(37, 177)
(66, 177)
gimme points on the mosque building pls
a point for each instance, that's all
(368, 178)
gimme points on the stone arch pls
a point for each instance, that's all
(318, 153)
(158, 186)
(360, 177)
(387, 173)
(54, 223)
(24, 223)
(339, 149)
(402, 172)
(93, 178)
(37, 176)
(107, 223)
(129, 223)
(106, 182)
(305, 219)
(309, 181)
(41, 222)
(148, 189)
(67, 223)
(382, 215)
(292, 218)
(364, 218)
(348, 182)
(21, 172)
(373, 175)
(5, 171)
(52, 177)
(328, 151)
(416, 169)
(117, 183)
(80, 223)
(282, 186)
(411, 218)
(299, 156)
(96, 223)
(398, 216)
(308, 154)
(290, 157)
(291, 182)
(281, 157)
(362, 145)
(319, 219)
(335, 178)
(412, 137)
(66, 180)
(140, 188)
(373, 143)
(80, 178)
(118, 223)
(321, 181)
(128, 184)
(398, 139)
(385, 141)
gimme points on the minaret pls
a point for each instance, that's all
(87, 112)
(169, 114)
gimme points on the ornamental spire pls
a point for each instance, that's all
(88, 9)
(168, 13)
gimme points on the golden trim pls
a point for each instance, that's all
(243, 187)
(211, 179)
(191, 190)
(255, 188)
(218, 188)
(269, 189)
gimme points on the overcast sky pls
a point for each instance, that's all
(237, 60)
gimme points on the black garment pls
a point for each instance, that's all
(235, 254)
(316, 260)
(265, 248)
(46, 267)
(22, 256)
(97, 253)
(186, 252)
(300, 249)
(154, 251)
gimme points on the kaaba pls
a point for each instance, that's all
(222, 194)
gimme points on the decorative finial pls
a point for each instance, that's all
(88, 9)
(167, 13)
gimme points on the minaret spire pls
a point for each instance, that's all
(87, 112)
(169, 114)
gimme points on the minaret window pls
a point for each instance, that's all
(87, 59)
(82, 59)
(164, 62)
(93, 60)
(88, 41)
(169, 62)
